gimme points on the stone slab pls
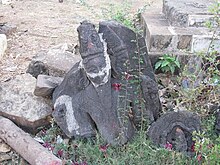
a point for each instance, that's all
(58, 60)
(18, 103)
(161, 37)
(46, 84)
(187, 13)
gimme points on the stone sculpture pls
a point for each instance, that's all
(175, 128)
(98, 93)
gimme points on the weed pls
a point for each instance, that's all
(167, 64)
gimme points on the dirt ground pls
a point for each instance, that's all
(43, 23)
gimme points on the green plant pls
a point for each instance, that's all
(206, 151)
(95, 151)
(120, 13)
(167, 64)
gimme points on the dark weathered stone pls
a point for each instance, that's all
(175, 128)
(36, 68)
(129, 59)
(46, 84)
(98, 92)
(151, 97)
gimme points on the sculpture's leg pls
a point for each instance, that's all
(72, 121)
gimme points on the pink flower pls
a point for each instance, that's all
(193, 147)
(168, 146)
(84, 163)
(199, 157)
(46, 145)
(103, 148)
(60, 153)
(116, 86)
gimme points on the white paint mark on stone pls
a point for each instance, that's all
(104, 71)
(71, 122)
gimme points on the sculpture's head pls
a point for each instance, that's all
(117, 49)
(96, 62)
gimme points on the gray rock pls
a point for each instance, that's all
(56, 62)
(192, 69)
(46, 84)
(175, 128)
(3, 45)
(18, 103)
(7, 29)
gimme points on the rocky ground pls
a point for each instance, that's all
(39, 25)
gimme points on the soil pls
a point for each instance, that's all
(44, 23)
(41, 24)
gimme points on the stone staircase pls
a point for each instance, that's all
(178, 27)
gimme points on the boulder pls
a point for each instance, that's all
(18, 103)
(55, 62)
(3, 45)
(175, 129)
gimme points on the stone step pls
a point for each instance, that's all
(188, 13)
(161, 37)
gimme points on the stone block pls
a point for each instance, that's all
(18, 103)
(199, 20)
(184, 42)
(46, 84)
(161, 37)
(201, 43)
(55, 62)
(187, 13)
